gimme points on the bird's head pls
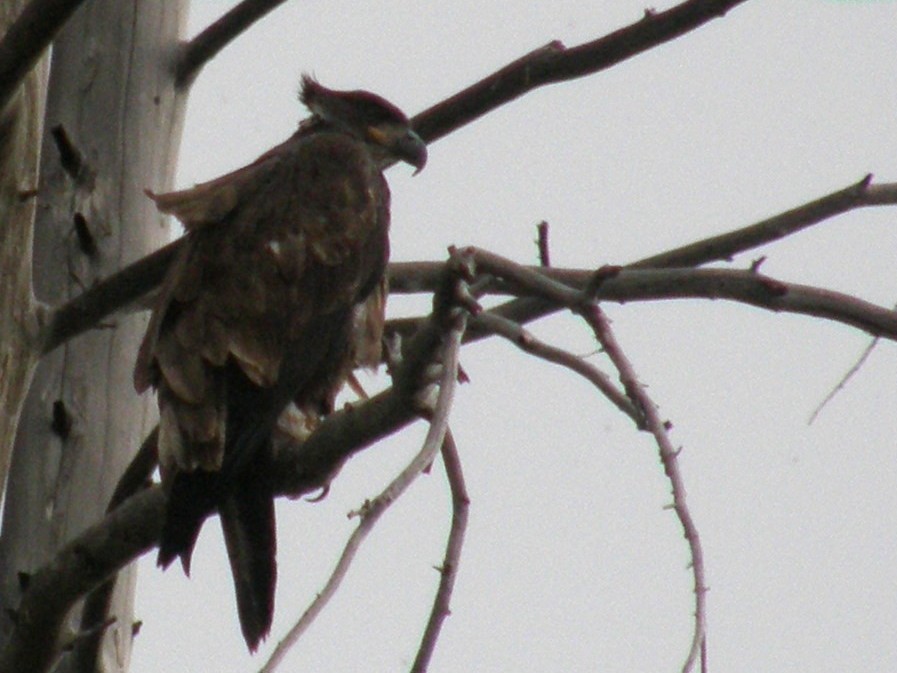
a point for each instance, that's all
(368, 117)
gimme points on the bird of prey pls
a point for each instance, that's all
(269, 304)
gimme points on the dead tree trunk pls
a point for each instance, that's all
(112, 127)
(20, 131)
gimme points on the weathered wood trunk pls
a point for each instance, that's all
(20, 132)
(111, 90)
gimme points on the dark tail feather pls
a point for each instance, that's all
(193, 498)
(247, 519)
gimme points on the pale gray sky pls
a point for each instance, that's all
(571, 561)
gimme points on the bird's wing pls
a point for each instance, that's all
(212, 201)
(304, 240)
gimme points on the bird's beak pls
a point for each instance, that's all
(411, 148)
(401, 143)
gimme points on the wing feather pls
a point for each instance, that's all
(273, 248)
(213, 201)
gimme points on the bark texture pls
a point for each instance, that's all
(113, 108)
(20, 132)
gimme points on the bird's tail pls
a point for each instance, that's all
(192, 499)
(246, 507)
(247, 519)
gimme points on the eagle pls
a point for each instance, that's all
(275, 297)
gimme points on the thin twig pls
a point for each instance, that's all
(725, 246)
(844, 380)
(528, 343)
(27, 38)
(449, 570)
(669, 458)
(374, 509)
(203, 48)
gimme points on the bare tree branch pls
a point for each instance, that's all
(113, 294)
(725, 246)
(669, 457)
(95, 614)
(79, 567)
(203, 48)
(553, 289)
(449, 570)
(27, 38)
(556, 63)
(528, 343)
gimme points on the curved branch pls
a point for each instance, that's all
(669, 457)
(528, 343)
(203, 48)
(27, 38)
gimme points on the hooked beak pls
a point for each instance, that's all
(411, 149)
(400, 143)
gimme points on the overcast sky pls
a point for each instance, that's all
(571, 562)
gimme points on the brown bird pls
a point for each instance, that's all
(275, 297)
